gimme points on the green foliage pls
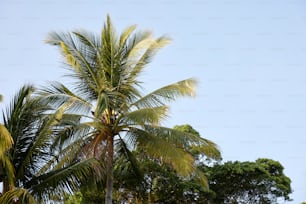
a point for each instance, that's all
(151, 181)
(92, 191)
(165, 186)
(76, 198)
(159, 184)
(107, 94)
(259, 182)
(6, 166)
(33, 168)
(20, 194)
(187, 128)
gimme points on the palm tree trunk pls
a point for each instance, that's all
(6, 186)
(109, 169)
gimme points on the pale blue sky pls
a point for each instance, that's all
(248, 56)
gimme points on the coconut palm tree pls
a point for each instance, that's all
(107, 91)
(33, 166)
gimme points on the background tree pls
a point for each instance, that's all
(32, 168)
(262, 181)
(106, 69)
(161, 184)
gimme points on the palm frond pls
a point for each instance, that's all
(190, 142)
(21, 122)
(67, 146)
(201, 177)
(81, 58)
(69, 126)
(58, 94)
(167, 94)
(149, 48)
(14, 111)
(88, 39)
(7, 168)
(64, 179)
(6, 140)
(125, 35)
(17, 195)
(145, 116)
(108, 51)
(39, 144)
(127, 160)
(158, 148)
(69, 154)
(64, 157)
(140, 48)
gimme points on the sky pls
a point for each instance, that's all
(249, 58)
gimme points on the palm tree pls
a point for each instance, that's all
(107, 92)
(33, 166)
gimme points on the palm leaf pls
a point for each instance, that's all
(124, 155)
(125, 35)
(58, 94)
(20, 121)
(145, 116)
(201, 177)
(80, 57)
(17, 195)
(6, 140)
(167, 94)
(166, 152)
(40, 142)
(8, 170)
(190, 142)
(150, 47)
(14, 112)
(64, 179)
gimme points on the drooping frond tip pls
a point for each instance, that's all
(52, 38)
(6, 140)
(190, 85)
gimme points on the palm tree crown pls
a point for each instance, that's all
(107, 91)
(32, 168)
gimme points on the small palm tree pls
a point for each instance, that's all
(32, 166)
(107, 92)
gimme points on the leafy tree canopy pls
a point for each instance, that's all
(262, 181)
